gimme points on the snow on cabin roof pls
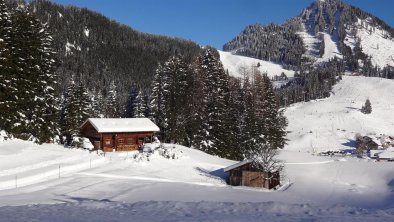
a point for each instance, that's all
(118, 125)
(236, 165)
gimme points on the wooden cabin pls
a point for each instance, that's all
(116, 134)
(244, 174)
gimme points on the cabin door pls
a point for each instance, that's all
(108, 143)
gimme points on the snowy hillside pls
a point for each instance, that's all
(235, 63)
(331, 124)
(312, 44)
(374, 41)
(192, 187)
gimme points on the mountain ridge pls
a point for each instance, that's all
(318, 25)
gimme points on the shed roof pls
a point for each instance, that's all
(122, 125)
(236, 165)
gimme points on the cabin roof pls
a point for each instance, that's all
(122, 125)
(236, 165)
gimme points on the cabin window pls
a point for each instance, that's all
(121, 141)
(130, 141)
(107, 142)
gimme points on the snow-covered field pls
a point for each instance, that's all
(235, 63)
(119, 187)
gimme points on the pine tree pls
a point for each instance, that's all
(176, 98)
(158, 100)
(215, 87)
(46, 109)
(98, 105)
(33, 67)
(7, 86)
(148, 109)
(234, 120)
(133, 93)
(112, 106)
(248, 127)
(75, 110)
(367, 108)
(139, 106)
(274, 122)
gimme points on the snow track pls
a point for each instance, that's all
(30, 164)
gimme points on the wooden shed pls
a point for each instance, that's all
(117, 134)
(244, 174)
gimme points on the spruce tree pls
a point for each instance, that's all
(133, 93)
(234, 119)
(98, 105)
(112, 106)
(158, 100)
(176, 98)
(75, 110)
(139, 106)
(215, 88)
(7, 74)
(33, 71)
(367, 108)
(274, 123)
(248, 125)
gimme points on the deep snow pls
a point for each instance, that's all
(374, 41)
(332, 123)
(119, 187)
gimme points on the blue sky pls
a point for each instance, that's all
(212, 22)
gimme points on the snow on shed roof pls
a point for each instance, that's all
(387, 154)
(236, 165)
(118, 125)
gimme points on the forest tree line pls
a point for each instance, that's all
(197, 105)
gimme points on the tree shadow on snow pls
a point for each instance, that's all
(351, 144)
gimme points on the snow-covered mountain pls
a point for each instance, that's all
(324, 30)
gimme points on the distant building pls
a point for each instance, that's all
(367, 143)
(244, 174)
(117, 134)
(383, 155)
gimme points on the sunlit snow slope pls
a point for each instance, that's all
(235, 63)
(374, 41)
(331, 124)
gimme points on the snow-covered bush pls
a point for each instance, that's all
(151, 147)
(4, 135)
(82, 142)
(169, 152)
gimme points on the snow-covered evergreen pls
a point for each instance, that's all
(28, 80)
(112, 106)
(75, 110)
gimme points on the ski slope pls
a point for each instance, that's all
(331, 123)
(235, 65)
(330, 49)
(312, 45)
